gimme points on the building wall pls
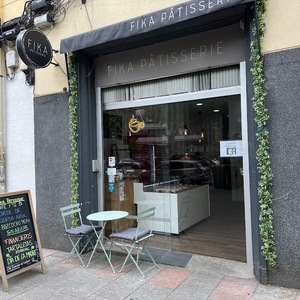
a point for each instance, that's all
(19, 135)
(282, 71)
(281, 48)
(100, 13)
(281, 24)
(52, 168)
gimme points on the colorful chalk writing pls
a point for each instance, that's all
(18, 240)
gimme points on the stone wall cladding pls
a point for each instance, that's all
(53, 176)
(282, 72)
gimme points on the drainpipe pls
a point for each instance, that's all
(2, 153)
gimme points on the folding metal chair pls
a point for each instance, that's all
(135, 239)
(79, 236)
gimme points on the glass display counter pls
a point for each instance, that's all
(177, 206)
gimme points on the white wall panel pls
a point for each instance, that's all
(19, 135)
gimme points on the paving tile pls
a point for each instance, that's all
(267, 292)
(150, 292)
(86, 286)
(20, 284)
(170, 277)
(127, 284)
(36, 293)
(107, 293)
(77, 274)
(63, 296)
(73, 261)
(224, 267)
(231, 288)
(68, 264)
(48, 252)
(118, 265)
(12, 293)
(56, 270)
(56, 284)
(198, 286)
(107, 272)
(29, 279)
(52, 260)
(45, 290)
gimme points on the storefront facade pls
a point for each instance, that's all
(157, 94)
(163, 120)
(188, 93)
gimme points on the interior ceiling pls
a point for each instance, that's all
(209, 105)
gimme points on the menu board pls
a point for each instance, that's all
(19, 240)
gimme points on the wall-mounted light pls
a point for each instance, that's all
(185, 131)
(202, 135)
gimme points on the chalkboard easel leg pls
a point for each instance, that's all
(4, 283)
(43, 267)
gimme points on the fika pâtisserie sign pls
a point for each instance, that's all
(34, 48)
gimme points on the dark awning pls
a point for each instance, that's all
(175, 21)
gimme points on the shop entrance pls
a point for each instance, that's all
(185, 158)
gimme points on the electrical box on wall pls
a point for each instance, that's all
(12, 60)
(43, 21)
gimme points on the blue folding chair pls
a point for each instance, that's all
(136, 238)
(80, 236)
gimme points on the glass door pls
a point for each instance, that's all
(170, 156)
(138, 140)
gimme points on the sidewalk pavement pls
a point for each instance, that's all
(202, 278)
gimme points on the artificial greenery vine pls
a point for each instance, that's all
(73, 132)
(262, 155)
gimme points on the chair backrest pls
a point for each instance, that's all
(145, 220)
(68, 211)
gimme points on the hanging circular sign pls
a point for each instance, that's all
(34, 48)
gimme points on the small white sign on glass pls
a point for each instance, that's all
(112, 161)
(121, 191)
(231, 148)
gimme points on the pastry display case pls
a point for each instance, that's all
(177, 206)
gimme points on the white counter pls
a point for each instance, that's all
(174, 212)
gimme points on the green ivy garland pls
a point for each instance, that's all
(262, 155)
(73, 132)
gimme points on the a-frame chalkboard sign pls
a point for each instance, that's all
(20, 246)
